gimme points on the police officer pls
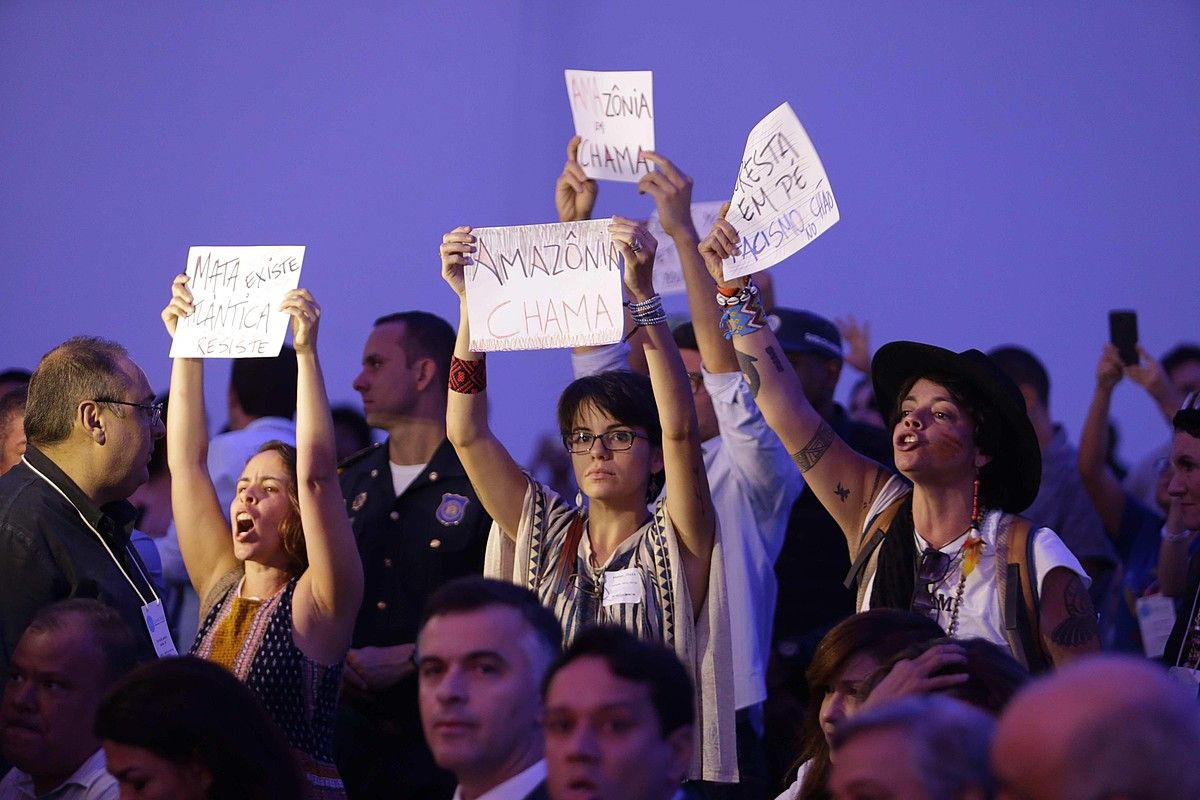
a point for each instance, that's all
(418, 524)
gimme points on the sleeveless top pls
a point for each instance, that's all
(253, 639)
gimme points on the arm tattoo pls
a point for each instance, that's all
(842, 492)
(778, 364)
(747, 362)
(811, 453)
(1079, 627)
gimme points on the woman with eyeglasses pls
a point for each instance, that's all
(280, 583)
(935, 537)
(621, 558)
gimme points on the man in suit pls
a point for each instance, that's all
(482, 653)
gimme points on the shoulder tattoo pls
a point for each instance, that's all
(1079, 627)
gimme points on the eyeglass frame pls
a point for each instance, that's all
(155, 409)
(606, 437)
(927, 575)
(696, 379)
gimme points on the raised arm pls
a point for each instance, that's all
(330, 590)
(205, 538)
(672, 193)
(688, 501)
(844, 481)
(493, 472)
(574, 192)
(1102, 486)
(1150, 375)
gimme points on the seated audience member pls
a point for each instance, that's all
(65, 521)
(185, 729)
(973, 671)
(482, 655)
(350, 431)
(1133, 527)
(1109, 726)
(845, 658)
(261, 407)
(935, 537)
(1062, 504)
(925, 747)
(12, 428)
(1181, 366)
(1183, 647)
(619, 719)
(623, 431)
(281, 583)
(66, 659)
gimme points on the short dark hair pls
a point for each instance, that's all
(118, 647)
(185, 710)
(355, 422)
(425, 336)
(1180, 354)
(1024, 369)
(12, 403)
(15, 375)
(627, 397)
(472, 593)
(81, 368)
(266, 387)
(639, 661)
(685, 336)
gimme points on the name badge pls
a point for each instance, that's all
(160, 632)
(623, 586)
(1156, 618)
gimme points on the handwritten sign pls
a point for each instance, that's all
(668, 271)
(782, 199)
(236, 291)
(614, 113)
(533, 287)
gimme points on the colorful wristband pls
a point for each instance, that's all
(468, 377)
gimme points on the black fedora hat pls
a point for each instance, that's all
(1017, 465)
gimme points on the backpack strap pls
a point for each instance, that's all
(1020, 605)
(867, 559)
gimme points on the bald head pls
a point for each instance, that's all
(1105, 726)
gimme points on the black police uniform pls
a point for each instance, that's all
(410, 545)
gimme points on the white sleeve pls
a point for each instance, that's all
(1049, 552)
(600, 359)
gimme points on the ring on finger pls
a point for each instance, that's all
(636, 245)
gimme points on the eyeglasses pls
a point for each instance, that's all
(697, 381)
(614, 441)
(931, 570)
(152, 410)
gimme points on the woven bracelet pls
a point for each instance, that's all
(468, 377)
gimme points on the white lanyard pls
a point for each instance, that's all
(99, 536)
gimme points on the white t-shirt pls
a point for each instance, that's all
(403, 475)
(979, 614)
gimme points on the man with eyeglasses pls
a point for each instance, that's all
(65, 522)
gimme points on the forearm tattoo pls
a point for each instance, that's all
(811, 453)
(775, 360)
(747, 362)
(1079, 627)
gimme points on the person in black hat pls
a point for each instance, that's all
(935, 537)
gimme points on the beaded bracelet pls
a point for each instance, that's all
(468, 377)
(730, 296)
(745, 317)
(648, 312)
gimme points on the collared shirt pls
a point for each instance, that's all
(1062, 503)
(90, 782)
(229, 452)
(48, 553)
(518, 787)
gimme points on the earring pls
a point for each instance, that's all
(579, 499)
(976, 517)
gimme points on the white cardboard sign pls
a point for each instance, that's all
(533, 287)
(236, 292)
(782, 199)
(614, 113)
(668, 271)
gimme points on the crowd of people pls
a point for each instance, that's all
(722, 584)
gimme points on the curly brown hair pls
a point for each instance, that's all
(291, 530)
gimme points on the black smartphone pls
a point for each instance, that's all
(1122, 331)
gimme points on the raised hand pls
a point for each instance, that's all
(916, 675)
(720, 244)
(180, 304)
(858, 342)
(306, 315)
(637, 247)
(456, 249)
(574, 192)
(1109, 370)
(672, 193)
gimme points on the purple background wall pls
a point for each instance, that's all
(1005, 172)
